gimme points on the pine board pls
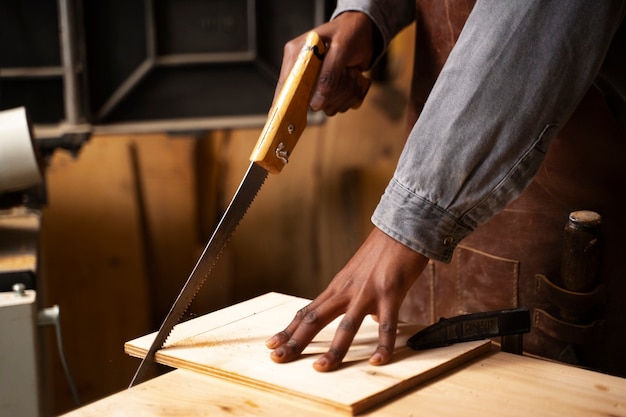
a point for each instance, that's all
(229, 343)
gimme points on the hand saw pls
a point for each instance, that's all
(285, 123)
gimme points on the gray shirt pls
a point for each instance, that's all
(514, 77)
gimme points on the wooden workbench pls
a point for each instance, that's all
(497, 383)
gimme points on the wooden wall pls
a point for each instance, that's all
(128, 216)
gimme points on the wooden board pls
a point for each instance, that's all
(229, 343)
(496, 384)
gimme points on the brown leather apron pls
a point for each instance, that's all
(515, 259)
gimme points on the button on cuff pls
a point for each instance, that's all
(447, 241)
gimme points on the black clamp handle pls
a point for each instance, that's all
(468, 327)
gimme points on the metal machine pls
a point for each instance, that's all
(21, 182)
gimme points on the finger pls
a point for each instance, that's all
(308, 323)
(361, 87)
(322, 92)
(278, 339)
(329, 77)
(387, 332)
(351, 91)
(284, 335)
(348, 327)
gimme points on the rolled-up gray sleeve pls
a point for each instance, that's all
(390, 16)
(517, 72)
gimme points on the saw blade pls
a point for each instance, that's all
(247, 191)
(285, 124)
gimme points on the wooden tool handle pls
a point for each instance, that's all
(288, 117)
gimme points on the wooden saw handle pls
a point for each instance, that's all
(288, 116)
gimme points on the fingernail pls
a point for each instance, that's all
(316, 102)
(271, 342)
(278, 353)
(321, 363)
(376, 358)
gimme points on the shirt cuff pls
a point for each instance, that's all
(418, 223)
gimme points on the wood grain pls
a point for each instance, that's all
(497, 383)
(229, 344)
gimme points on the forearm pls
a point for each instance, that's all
(514, 77)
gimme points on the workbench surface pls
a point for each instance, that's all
(497, 383)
